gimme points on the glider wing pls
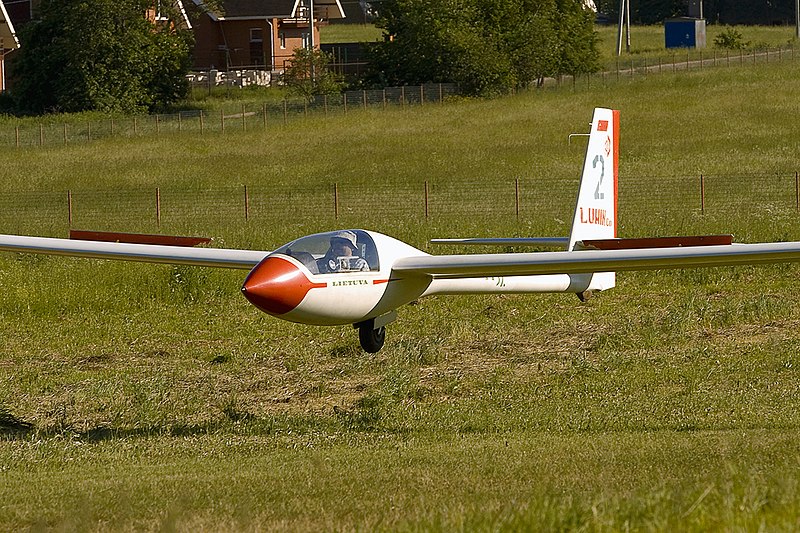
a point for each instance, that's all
(149, 253)
(589, 261)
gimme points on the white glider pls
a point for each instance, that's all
(362, 277)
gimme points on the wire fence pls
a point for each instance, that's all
(668, 200)
(244, 117)
(233, 117)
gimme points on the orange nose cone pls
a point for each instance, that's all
(277, 286)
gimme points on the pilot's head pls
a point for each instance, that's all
(343, 243)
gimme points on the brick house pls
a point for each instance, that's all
(8, 42)
(260, 34)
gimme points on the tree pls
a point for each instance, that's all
(99, 55)
(486, 46)
(308, 74)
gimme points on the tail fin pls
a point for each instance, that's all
(596, 208)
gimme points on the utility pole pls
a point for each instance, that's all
(797, 18)
(625, 25)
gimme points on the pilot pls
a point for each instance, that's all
(342, 255)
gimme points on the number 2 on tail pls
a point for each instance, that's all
(599, 159)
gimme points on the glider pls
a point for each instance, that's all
(362, 277)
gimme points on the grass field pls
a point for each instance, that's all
(140, 397)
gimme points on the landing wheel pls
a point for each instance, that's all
(371, 339)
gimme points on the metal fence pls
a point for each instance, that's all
(665, 201)
(233, 117)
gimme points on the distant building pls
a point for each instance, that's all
(8, 42)
(257, 34)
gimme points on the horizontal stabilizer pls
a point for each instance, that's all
(553, 242)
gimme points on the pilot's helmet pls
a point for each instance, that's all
(348, 236)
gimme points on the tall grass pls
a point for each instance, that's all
(152, 397)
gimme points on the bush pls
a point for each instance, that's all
(730, 39)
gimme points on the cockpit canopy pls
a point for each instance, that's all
(334, 252)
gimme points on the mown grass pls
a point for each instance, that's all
(152, 397)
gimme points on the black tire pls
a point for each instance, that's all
(371, 339)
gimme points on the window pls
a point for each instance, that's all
(334, 252)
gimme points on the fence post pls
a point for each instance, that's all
(336, 200)
(246, 204)
(702, 195)
(69, 207)
(426, 199)
(516, 196)
(158, 206)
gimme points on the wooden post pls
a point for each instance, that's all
(336, 200)
(246, 204)
(426, 199)
(516, 196)
(69, 207)
(702, 195)
(158, 206)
